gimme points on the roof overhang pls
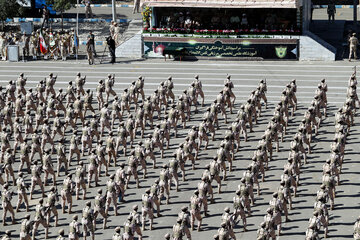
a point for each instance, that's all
(224, 3)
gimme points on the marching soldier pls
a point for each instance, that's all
(262, 232)
(21, 82)
(164, 183)
(100, 201)
(7, 235)
(184, 215)
(110, 148)
(357, 229)
(229, 220)
(204, 189)
(246, 194)
(136, 221)
(195, 210)
(6, 197)
(223, 232)
(93, 169)
(61, 157)
(178, 230)
(21, 190)
(155, 194)
(26, 227)
(120, 179)
(100, 89)
(133, 163)
(117, 235)
(147, 209)
(66, 193)
(40, 213)
(61, 235)
(329, 182)
(49, 85)
(51, 205)
(214, 169)
(36, 178)
(238, 202)
(74, 228)
(9, 159)
(109, 83)
(80, 174)
(87, 221)
(80, 82)
(140, 87)
(111, 194)
(173, 171)
(48, 167)
(74, 147)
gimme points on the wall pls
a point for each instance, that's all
(313, 48)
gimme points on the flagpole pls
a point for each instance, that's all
(77, 28)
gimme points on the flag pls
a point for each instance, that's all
(43, 47)
(76, 41)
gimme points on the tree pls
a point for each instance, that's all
(61, 6)
(9, 9)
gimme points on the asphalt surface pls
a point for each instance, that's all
(245, 76)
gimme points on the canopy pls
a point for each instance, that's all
(224, 3)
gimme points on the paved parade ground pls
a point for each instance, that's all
(245, 76)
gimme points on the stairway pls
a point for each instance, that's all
(131, 44)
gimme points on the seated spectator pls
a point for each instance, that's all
(244, 21)
(188, 21)
(235, 21)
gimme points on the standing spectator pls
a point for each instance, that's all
(136, 6)
(331, 10)
(353, 42)
(112, 28)
(91, 38)
(45, 15)
(111, 44)
(312, 11)
(90, 51)
(88, 11)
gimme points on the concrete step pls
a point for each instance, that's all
(131, 43)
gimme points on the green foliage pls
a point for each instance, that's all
(61, 5)
(9, 9)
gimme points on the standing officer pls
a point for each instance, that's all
(353, 42)
(331, 10)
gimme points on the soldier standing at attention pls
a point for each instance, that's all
(353, 42)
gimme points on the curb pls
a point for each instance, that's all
(336, 6)
(81, 20)
(106, 5)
